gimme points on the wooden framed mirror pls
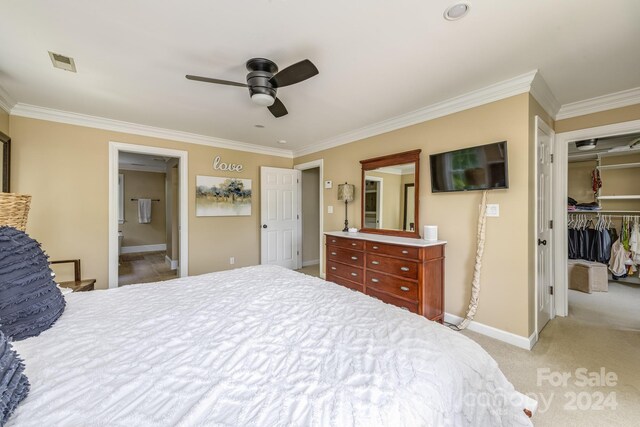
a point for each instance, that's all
(388, 182)
(5, 164)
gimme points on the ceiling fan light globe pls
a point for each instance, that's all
(263, 99)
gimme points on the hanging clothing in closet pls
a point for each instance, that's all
(592, 244)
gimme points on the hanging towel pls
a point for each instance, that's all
(144, 211)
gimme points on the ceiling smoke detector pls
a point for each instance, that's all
(63, 62)
(587, 144)
(457, 11)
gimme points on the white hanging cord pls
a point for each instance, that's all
(475, 284)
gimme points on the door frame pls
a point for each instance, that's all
(561, 167)
(540, 124)
(379, 206)
(114, 152)
(301, 167)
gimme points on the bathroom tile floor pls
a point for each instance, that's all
(144, 268)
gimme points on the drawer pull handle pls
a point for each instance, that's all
(375, 247)
(333, 268)
(333, 240)
(374, 280)
(404, 288)
(404, 268)
(354, 274)
(333, 253)
(405, 252)
(375, 262)
(354, 258)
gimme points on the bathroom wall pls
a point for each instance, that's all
(148, 185)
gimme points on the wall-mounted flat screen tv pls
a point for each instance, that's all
(477, 168)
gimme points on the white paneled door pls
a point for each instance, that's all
(544, 214)
(279, 216)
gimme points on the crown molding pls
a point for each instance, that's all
(6, 101)
(600, 103)
(495, 92)
(43, 113)
(541, 92)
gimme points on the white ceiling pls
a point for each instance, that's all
(377, 59)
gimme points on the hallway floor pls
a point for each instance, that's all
(310, 270)
(144, 268)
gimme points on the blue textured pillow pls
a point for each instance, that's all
(14, 385)
(30, 302)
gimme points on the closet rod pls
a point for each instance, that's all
(153, 200)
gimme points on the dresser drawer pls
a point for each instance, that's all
(399, 267)
(349, 272)
(411, 306)
(345, 243)
(392, 285)
(392, 250)
(344, 282)
(345, 256)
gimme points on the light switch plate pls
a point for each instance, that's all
(493, 210)
(329, 209)
(328, 184)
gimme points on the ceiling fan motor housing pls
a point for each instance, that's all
(260, 72)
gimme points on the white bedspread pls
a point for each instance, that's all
(259, 346)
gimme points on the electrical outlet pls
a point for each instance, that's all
(232, 260)
(329, 209)
(493, 210)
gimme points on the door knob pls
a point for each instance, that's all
(264, 226)
(542, 242)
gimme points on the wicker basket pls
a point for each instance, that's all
(14, 210)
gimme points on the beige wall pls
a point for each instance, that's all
(310, 214)
(4, 122)
(617, 115)
(147, 185)
(65, 169)
(505, 296)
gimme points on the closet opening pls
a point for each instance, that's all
(603, 230)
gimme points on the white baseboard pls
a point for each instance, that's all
(172, 263)
(143, 248)
(310, 262)
(499, 334)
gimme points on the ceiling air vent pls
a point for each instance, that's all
(62, 62)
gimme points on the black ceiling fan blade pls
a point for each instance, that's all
(278, 109)
(295, 73)
(217, 81)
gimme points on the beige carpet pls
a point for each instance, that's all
(311, 270)
(601, 331)
(144, 268)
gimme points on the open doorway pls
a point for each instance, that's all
(148, 227)
(148, 244)
(598, 280)
(603, 186)
(311, 241)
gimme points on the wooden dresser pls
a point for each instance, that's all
(402, 271)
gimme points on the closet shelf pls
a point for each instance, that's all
(625, 197)
(620, 166)
(604, 211)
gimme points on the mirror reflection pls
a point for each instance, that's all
(389, 201)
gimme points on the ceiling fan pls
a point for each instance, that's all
(264, 80)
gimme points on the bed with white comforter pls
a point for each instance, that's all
(260, 346)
